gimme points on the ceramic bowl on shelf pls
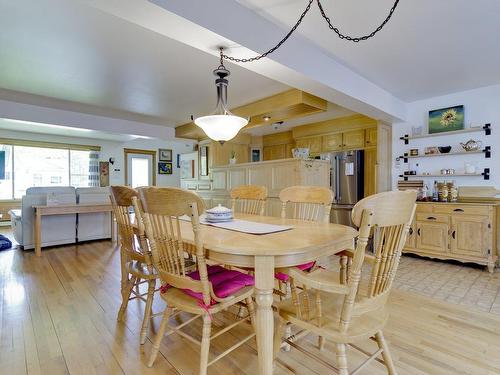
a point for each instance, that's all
(219, 214)
(444, 149)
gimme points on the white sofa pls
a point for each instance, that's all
(61, 229)
(93, 226)
(56, 230)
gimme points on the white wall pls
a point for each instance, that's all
(481, 106)
(115, 149)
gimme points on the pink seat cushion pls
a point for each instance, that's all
(303, 267)
(224, 282)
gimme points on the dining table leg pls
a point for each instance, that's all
(264, 285)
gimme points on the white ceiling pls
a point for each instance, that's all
(428, 48)
(67, 52)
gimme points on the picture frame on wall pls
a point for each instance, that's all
(103, 173)
(165, 154)
(446, 119)
(255, 154)
(164, 168)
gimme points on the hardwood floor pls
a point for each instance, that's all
(58, 316)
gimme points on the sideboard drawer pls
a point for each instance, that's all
(430, 216)
(462, 209)
(424, 207)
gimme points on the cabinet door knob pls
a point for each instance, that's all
(418, 231)
(453, 234)
(458, 210)
(431, 218)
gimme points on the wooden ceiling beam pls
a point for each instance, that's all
(280, 107)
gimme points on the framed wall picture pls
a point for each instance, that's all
(446, 119)
(203, 160)
(255, 154)
(164, 154)
(104, 173)
(164, 167)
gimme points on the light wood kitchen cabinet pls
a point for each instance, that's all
(432, 236)
(465, 232)
(370, 137)
(350, 140)
(370, 171)
(332, 142)
(353, 140)
(470, 235)
(312, 143)
(220, 154)
(276, 152)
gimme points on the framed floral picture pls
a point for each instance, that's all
(446, 119)
(164, 154)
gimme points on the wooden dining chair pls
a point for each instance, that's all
(249, 199)
(205, 292)
(347, 313)
(136, 263)
(311, 203)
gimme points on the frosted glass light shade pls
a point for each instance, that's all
(221, 127)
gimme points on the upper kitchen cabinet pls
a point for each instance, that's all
(353, 139)
(332, 142)
(277, 146)
(220, 154)
(371, 137)
(312, 143)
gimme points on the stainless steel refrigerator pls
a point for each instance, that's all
(346, 180)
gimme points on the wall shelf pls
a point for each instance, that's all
(486, 151)
(486, 129)
(485, 174)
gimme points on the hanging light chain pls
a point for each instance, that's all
(277, 45)
(357, 39)
(299, 21)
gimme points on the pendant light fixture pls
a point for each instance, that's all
(221, 125)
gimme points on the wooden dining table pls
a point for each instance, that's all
(305, 242)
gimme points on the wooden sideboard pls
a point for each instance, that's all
(466, 232)
(275, 175)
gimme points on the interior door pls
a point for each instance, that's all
(140, 169)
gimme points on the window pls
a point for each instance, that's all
(27, 166)
(31, 162)
(79, 169)
(6, 184)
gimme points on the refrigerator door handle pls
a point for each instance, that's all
(337, 179)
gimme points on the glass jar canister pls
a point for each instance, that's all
(442, 191)
(452, 191)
